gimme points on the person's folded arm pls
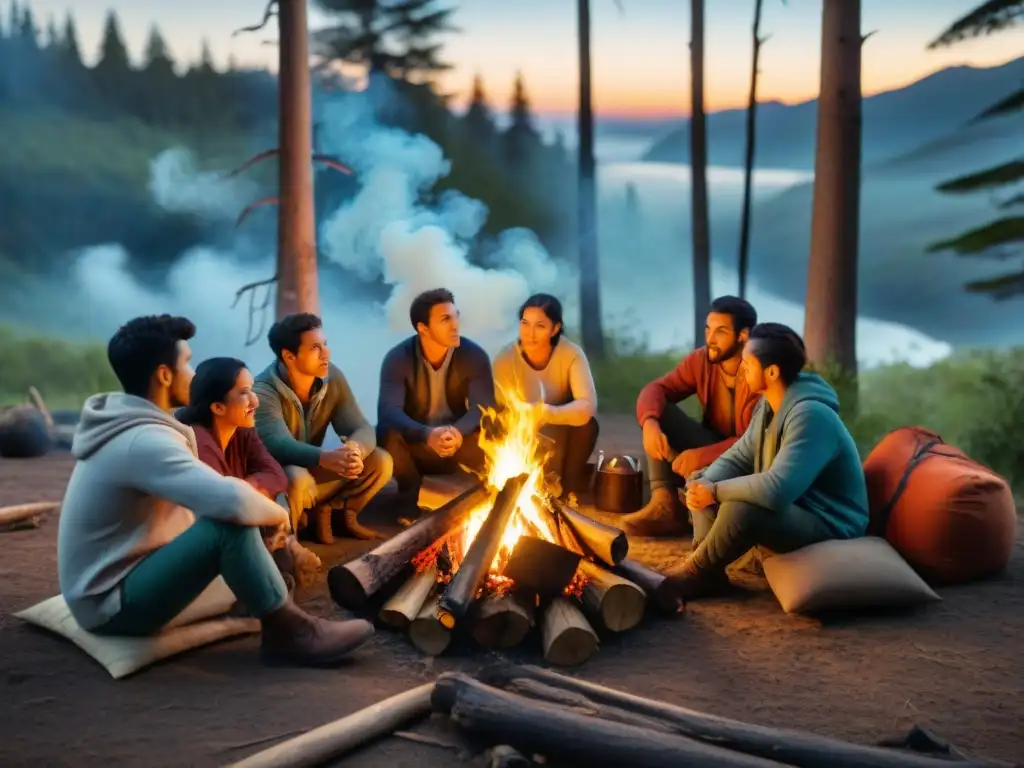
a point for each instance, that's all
(163, 466)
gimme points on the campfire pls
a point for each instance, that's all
(502, 556)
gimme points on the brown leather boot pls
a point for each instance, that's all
(685, 582)
(321, 519)
(293, 637)
(663, 516)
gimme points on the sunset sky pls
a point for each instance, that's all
(640, 55)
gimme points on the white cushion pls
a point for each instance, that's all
(201, 623)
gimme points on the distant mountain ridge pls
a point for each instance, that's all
(895, 122)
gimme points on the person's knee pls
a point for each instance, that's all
(225, 532)
(301, 492)
(380, 464)
(740, 515)
(392, 442)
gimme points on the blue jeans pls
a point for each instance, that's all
(167, 580)
(724, 533)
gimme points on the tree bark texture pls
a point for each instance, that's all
(743, 263)
(831, 304)
(700, 226)
(591, 329)
(297, 287)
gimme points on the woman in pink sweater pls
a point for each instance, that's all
(221, 412)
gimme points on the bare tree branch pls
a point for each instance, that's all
(251, 336)
(269, 12)
(864, 38)
(253, 206)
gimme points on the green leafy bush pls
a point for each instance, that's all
(64, 373)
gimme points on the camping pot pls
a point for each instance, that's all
(619, 484)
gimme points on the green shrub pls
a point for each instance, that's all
(64, 373)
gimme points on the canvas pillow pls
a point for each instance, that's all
(201, 623)
(845, 574)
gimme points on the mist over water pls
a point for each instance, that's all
(387, 232)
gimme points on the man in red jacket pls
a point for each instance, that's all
(677, 445)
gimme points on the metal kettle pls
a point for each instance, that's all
(618, 484)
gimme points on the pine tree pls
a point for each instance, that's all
(521, 117)
(522, 144)
(69, 40)
(478, 120)
(113, 60)
(398, 39)
(53, 41)
(1001, 237)
(27, 30)
(157, 58)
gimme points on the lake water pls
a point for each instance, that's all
(646, 266)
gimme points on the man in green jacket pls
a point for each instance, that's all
(793, 479)
(301, 394)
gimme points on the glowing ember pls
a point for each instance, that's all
(513, 446)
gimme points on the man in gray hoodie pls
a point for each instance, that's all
(146, 526)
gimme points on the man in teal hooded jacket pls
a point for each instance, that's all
(793, 479)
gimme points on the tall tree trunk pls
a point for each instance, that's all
(748, 160)
(591, 330)
(831, 305)
(296, 221)
(700, 227)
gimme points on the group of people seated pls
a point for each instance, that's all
(186, 476)
(769, 465)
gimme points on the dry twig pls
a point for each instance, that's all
(269, 12)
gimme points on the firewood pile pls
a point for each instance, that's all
(569, 578)
(525, 716)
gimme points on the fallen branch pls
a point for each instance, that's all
(789, 747)
(335, 739)
(37, 400)
(26, 515)
(532, 727)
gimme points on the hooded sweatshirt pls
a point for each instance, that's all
(137, 485)
(802, 455)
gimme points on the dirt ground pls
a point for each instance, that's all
(954, 667)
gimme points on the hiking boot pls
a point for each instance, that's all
(686, 582)
(293, 637)
(661, 517)
(321, 520)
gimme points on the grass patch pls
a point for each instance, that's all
(65, 373)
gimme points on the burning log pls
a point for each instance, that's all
(502, 621)
(617, 601)
(354, 583)
(400, 611)
(541, 566)
(651, 582)
(532, 727)
(427, 632)
(462, 589)
(789, 747)
(568, 637)
(599, 541)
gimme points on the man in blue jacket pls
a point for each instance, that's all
(793, 479)
(433, 389)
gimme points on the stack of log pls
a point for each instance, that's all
(526, 716)
(608, 592)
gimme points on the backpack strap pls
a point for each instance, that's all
(881, 519)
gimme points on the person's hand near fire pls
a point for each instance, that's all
(656, 442)
(444, 441)
(346, 461)
(700, 494)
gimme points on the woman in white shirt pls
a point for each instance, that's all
(543, 367)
